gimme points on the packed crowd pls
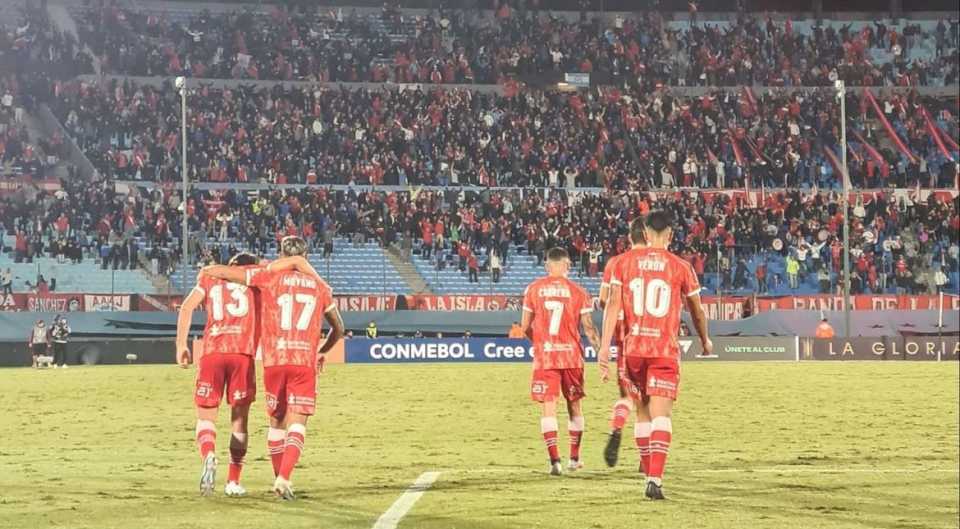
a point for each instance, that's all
(601, 138)
(323, 44)
(899, 242)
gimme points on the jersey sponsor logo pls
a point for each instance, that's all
(300, 401)
(204, 389)
(292, 345)
(222, 330)
(272, 401)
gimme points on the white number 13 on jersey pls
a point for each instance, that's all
(652, 298)
(287, 301)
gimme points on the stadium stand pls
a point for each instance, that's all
(342, 44)
(659, 125)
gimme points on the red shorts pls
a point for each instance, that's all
(290, 388)
(646, 377)
(234, 372)
(547, 384)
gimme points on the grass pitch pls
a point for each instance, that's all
(756, 445)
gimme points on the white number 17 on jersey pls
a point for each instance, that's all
(287, 302)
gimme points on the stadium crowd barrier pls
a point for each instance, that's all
(92, 351)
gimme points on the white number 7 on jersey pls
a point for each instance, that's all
(286, 302)
(556, 314)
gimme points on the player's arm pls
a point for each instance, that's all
(296, 262)
(699, 318)
(611, 313)
(604, 294)
(233, 274)
(526, 321)
(586, 320)
(184, 318)
(332, 315)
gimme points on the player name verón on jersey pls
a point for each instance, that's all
(291, 317)
(654, 284)
(232, 316)
(556, 305)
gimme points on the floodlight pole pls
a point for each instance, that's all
(842, 95)
(185, 229)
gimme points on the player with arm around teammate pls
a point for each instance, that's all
(226, 369)
(293, 307)
(554, 309)
(651, 285)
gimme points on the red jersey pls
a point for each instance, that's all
(556, 304)
(291, 316)
(232, 311)
(607, 275)
(653, 283)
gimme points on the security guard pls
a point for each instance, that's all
(372, 330)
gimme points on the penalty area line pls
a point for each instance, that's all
(404, 503)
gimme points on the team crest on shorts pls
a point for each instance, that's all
(271, 401)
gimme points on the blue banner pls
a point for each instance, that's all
(399, 350)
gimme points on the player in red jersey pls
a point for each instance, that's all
(554, 308)
(650, 286)
(293, 307)
(227, 367)
(624, 405)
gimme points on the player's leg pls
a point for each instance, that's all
(545, 390)
(619, 415)
(573, 393)
(661, 434)
(301, 403)
(662, 383)
(641, 431)
(575, 431)
(241, 390)
(207, 445)
(276, 399)
(209, 389)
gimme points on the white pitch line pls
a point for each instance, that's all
(761, 470)
(404, 503)
(826, 470)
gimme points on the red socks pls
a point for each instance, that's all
(296, 434)
(548, 426)
(575, 430)
(659, 446)
(238, 451)
(275, 441)
(206, 437)
(621, 410)
(641, 434)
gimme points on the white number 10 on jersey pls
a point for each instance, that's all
(652, 298)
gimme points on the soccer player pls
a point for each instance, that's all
(624, 405)
(293, 305)
(554, 308)
(650, 286)
(227, 367)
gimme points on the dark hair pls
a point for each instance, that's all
(659, 221)
(557, 254)
(243, 259)
(637, 236)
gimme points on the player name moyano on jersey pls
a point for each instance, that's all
(298, 281)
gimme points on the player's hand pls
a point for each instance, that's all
(183, 357)
(707, 347)
(604, 371)
(321, 363)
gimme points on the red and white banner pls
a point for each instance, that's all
(41, 302)
(861, 302)
(473, 303)
(365, 303)
(724, 308)
(106, 302)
